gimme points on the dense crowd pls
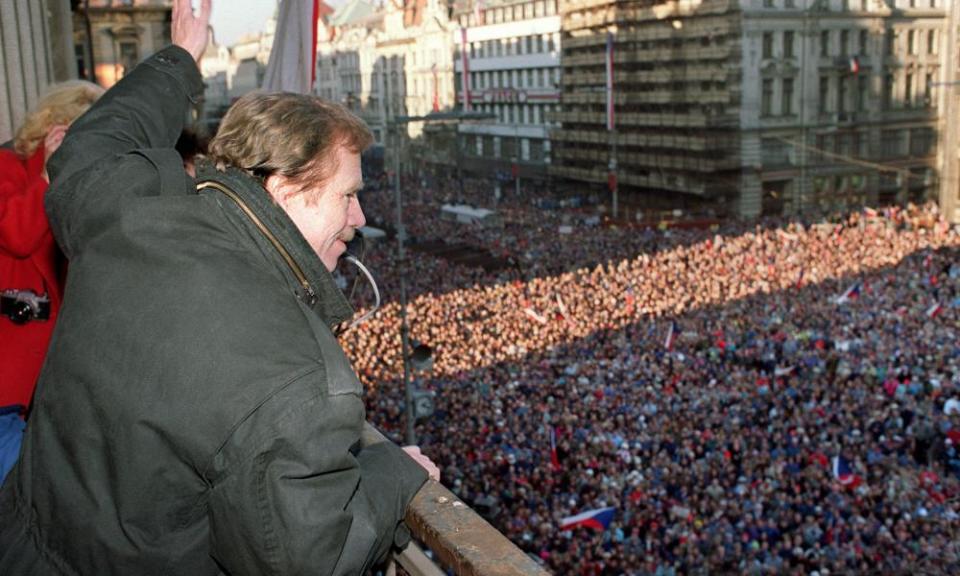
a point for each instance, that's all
(701, 382)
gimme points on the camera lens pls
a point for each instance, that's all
(21, 313)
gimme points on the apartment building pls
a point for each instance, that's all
(751, 107)
(507, 63)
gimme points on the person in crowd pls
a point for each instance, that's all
(783, 429)
(196, 414)
(31, 266)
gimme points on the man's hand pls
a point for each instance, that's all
(189, 31)
(426, 463)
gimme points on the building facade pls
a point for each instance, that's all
(753, 107)
(27, 68)
(112, 36)
(507, 64)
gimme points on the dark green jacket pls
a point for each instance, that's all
(196, 414)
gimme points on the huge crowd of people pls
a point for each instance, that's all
(705, 383)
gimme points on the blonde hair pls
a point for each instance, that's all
(292, 135)
(62, 104)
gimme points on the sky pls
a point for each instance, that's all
(231, 19)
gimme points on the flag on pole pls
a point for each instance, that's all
(844, 474)
(849, 294)
(611, 124)
(554, 457)
(533, 314)
(464, 70)
(293, 58)
(598, 519)
(933, 311)
(671, 336)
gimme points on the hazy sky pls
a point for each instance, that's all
(232, 19)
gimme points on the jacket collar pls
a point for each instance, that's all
(330, 303)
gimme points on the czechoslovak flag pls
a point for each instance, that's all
(934, 310)
(598, 519)
(850, 293)
(671, 336)
(844, 474)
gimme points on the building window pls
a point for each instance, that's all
(908, 90)
(888, 92)
(128, 56)
(928, 92)
(891, 143)
(932, 42)
(844, 42)
(822, 104)
(766, 101)
(911, 47)
(842, 94)
(768, 44)
(786, 105)
(921, 142)
(768, 3)
(890, 42)
(825, 43)
(862, 49)
(862, 87)
(788, 44)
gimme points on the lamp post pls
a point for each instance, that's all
(410, 436)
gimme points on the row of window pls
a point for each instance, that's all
(850, 43)
(851, 5)
(849, 93)
(831, 148)
(481, 16)
(518, 113)
(530, 149)
(526, 78)
(516, 46)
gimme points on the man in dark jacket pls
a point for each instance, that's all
(196, 414)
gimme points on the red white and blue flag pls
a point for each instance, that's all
(554, 458)
(598, 519)
(609, 61)
(934, 310)
(293, 57)
(671, 336)
(850, 293)
(844, 474)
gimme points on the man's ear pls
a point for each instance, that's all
(278, 186)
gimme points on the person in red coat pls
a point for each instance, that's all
(31, 266)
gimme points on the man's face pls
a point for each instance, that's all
(328, 214)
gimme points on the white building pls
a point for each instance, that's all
(511, 51)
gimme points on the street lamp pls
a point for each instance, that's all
(420, 353)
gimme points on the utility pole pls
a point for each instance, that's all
(410, 437)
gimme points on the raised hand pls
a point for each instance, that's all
(189, 31)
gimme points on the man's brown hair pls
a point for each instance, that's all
(292, 135)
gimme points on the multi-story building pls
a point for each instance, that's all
(111, 36)
(752, 107)
(395, 61)
(507, 62)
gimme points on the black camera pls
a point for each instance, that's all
(22, 306)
